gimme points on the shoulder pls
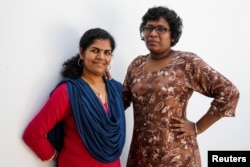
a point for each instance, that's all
(114, 82)
(187, 54)
(60, 89)
(139, 58)
(188, 57)
(138, 61)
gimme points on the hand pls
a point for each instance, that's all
(183, 127)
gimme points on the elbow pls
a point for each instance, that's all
(236, 95)
(25, 136)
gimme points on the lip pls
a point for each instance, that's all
(100, 63)
(151, 42)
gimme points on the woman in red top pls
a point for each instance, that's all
(87, 105)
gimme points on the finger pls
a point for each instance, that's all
(178, 119)
(175, 118)
(176, 125)
(182, 135)
(178, 130)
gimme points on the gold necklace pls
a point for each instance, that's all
(103, 100)
(98, 93)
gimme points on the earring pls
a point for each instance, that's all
(109, 67)
(80, 62)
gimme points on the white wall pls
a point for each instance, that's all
(36, 37)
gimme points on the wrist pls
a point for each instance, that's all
(55, 155)
(195, 129)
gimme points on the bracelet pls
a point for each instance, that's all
(54, 156)
(196, 130)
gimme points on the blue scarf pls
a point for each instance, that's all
(102, 133)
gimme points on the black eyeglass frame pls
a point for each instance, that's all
(158, 29)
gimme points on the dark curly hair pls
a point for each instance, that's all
(71, 68)
(175, 22)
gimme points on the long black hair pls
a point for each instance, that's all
(71, 67)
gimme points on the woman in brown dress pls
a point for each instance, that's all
(159, 85)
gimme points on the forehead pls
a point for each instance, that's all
(103, 44)
(161, 21)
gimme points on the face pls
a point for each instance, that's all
(97, 57)
(156, 42)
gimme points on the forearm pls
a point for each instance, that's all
(205, 122)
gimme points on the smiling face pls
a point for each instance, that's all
(97, 57)
(157, 43)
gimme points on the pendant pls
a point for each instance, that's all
(99, 94)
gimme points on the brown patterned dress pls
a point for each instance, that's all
(161, 94)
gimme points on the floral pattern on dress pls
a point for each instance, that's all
(159, 95)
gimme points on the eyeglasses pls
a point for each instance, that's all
(158, 29)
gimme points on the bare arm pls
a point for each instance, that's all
(205, 122)
(187, 128)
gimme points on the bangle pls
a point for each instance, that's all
(55, 155)
(196, 130)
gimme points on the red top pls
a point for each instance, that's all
(73, 153)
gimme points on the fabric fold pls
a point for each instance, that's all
(102, 133)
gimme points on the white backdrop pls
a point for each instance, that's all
(36, 37)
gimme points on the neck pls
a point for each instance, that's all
(162, 56)
(93, 80)
(97, 85)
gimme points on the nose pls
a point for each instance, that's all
(101, 55)
(153, 32)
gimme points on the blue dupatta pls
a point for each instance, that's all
(102, 133)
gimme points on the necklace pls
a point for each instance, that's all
(98, 93)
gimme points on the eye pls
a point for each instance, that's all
(160, 29)
(108, 52)
(95, 50)
(148, 28)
